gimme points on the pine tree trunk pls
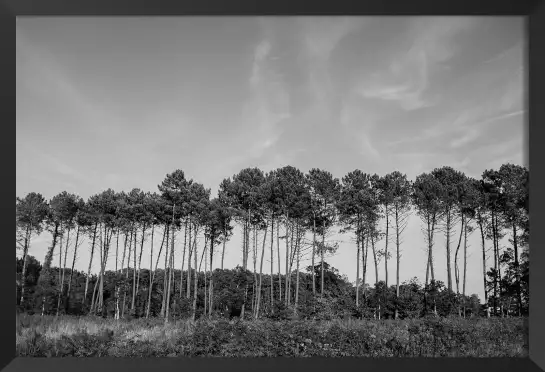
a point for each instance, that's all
(398, 258)
(272, 264)
(60, 273)
(465, 267)
(314, 254)
(155, 271)
(140, 259)
(322, 266)
(151, 272)
(278, 250)
(23, 274)
(483, 246)
(133, 298)
(298, 250)
(90, 263)
(386, 246)
(517, 269)
(456, 267)
(357, 264)
(165, 277)
(189, 253)
(211, 287)
(73, 264)
(183, 262)
(196, 280)
(261, 274)
(223, 250)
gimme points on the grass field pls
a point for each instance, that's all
(91, 337)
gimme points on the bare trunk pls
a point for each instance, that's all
(298, 250)
(272, 264)
(483, 246)
(447, 236)
(133, 298)
(183, 262)
(322, 266)
(261, 274)
(465, 267)
(314, 254)
(73, 264)
(155, 271)
(90, 263)
(165, 278)
(60, 273)
(189, 253)
(151, 273)
(287, 258)
(456, 267)
(278, 250)
(211, 290)
(386, 246)
(140, 258)
(517, 270)
(398, 259)
(127, 273)
(196, 279)
(357, 265)
(23, 274)
(170, 265)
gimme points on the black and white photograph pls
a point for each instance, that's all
(272, 186)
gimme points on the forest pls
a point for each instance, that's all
(281, 207)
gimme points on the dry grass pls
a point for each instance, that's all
(87, 336)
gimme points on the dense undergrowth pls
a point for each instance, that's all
(429, 337)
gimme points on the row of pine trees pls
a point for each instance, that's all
(285, 206)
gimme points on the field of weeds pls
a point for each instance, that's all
(94, 337)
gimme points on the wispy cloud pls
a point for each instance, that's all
(406, 78)
(477, 129)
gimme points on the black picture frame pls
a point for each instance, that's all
(533, 10)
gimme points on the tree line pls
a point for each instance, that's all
(301, 210)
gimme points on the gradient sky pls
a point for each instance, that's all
(120, 102)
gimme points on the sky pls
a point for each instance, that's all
(111, 102)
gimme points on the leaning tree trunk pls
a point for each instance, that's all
(456, 267)
(73, 264)
(163, 301)
(25, 253)
(46, 270)
(90, 264)
(154, 271)
(140, 258)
